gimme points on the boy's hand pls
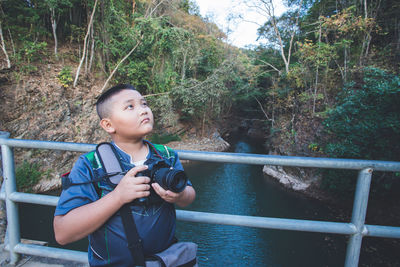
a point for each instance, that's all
(167, 195)
(131, 187)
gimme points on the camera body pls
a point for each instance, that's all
(159, 171)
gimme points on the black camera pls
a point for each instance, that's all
(166, 176)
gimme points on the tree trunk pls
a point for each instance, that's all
(91, 51)
(85, 44)
(183, 71)
(54, 27)
(345, 64)
(3, 47)
(268, 8)
(317, 72)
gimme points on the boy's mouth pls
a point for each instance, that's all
(145, 120)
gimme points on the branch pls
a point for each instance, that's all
(122, 60)
(272, 66)
(165, 93)
(155, 8)
(262, 109)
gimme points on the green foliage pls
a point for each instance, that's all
(365, 124)
(33, 51)
(314, 147)
(163, 138)
(65, 76)
(204, 100)
(28, 175)
(341, 182)
(210, 56)
(163, 111)
(136, 73)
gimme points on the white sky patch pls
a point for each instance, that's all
(241, 32)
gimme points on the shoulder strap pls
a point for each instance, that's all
(109, 160)
(134, 241)
(106, 157)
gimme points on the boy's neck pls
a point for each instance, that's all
(136, 149)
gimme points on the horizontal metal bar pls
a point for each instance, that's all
(78, 256)
(50, 252)
(267, 222)
(334, 163)
(242, 158)
(34, 198)
(249, 221)
(78, 147)
(382, 231)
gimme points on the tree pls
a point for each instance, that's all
(273, 26)
(56, 5)
(366, 122)
(3, 47)
(90, 25)
(365, 125)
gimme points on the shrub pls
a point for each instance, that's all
(27, 175)
(33, 51)
(366, 122)
(365, 125)
(65, 76)
(163, 138)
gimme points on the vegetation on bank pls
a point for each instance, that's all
(326, 83)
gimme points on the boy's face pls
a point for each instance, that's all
(130, 116)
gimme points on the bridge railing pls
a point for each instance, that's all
(356, 229)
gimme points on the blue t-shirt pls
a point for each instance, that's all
(108, 245)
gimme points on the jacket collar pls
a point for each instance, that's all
(127, 158)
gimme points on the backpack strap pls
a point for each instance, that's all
(95, 164)
(110, 161)
(165, 152)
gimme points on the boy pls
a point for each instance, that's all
(81, 212)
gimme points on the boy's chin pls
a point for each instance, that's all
(147, 131)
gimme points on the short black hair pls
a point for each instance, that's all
(101, 104)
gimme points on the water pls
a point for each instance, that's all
(243, 190)
(233, 189)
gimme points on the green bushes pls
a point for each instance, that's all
(365, 125)
(28, 175)
(163, 138)
(33, 51)
(65, 76)
(366, 122)
(164, 111)
(200, 100)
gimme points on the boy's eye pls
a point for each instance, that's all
(129, 107)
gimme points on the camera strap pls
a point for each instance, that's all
(109, 159)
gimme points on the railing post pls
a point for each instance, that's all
(358, 217)
(11, 206)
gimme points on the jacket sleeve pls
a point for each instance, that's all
(77, 195)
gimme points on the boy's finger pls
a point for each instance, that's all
(159, 190)
(135, 170)
(141, 180)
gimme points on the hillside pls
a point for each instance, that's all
(36, 106)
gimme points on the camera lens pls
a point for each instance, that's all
(171, 179)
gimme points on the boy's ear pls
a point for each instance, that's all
(106, 124)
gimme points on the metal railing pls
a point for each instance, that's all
(356, 229)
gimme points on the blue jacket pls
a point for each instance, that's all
(108, 244)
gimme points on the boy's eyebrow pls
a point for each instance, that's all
(132, 100)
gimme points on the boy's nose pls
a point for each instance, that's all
(143, 111)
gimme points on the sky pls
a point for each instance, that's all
(243, 32)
